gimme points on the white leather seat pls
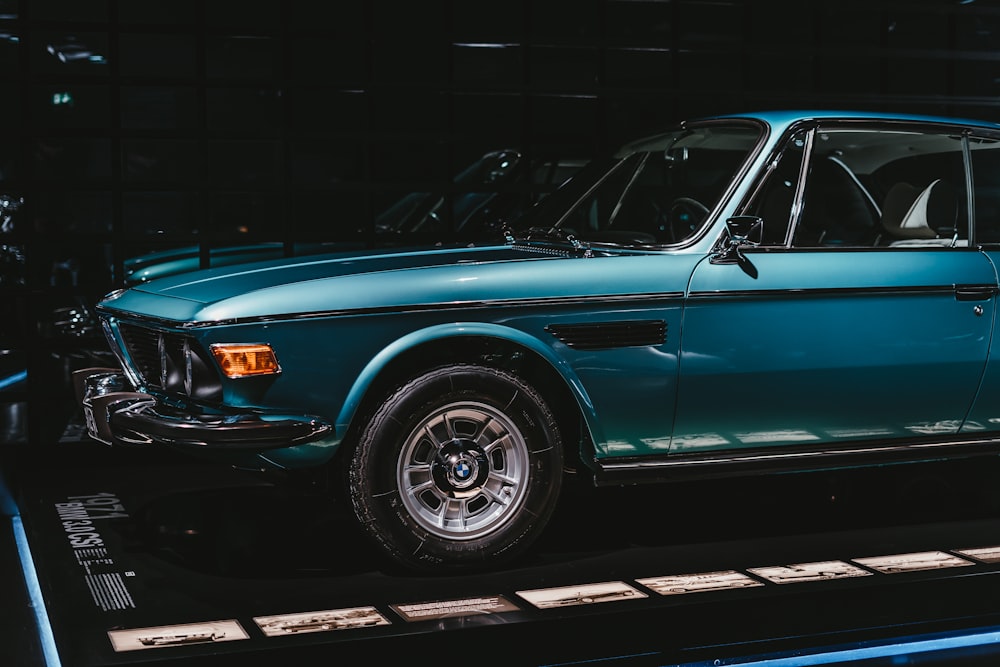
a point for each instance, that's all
(921, 217)
(904, 212)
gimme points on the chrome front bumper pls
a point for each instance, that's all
(116, 415)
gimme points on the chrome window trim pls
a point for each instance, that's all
(922, 290)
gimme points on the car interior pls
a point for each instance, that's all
(863, 191)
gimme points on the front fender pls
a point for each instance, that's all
(453, 330)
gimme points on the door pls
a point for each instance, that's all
(866, 318)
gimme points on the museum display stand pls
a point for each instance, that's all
(151, 558)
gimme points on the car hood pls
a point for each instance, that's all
(173, 261)
(387, 279)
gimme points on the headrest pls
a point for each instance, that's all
(913, 214)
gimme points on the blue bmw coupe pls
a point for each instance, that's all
(773, 292)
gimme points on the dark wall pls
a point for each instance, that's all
(134, 125)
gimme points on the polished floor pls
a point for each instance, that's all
(150, 558)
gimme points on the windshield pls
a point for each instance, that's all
(656, 191)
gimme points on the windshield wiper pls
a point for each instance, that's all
(550, 235)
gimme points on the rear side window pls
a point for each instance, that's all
(985, 156)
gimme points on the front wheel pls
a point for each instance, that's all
(458, 469)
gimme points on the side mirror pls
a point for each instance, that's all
(741, 231)
(745, 230)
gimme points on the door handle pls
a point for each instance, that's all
(974, 292)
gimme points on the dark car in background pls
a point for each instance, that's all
(493, 190)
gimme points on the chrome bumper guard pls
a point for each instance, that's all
(115, 415)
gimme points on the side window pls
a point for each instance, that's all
(883, 187)
(773, 201)
(838, 207)
(923, 194)
(985, 155)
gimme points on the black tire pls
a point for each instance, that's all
(459, 469)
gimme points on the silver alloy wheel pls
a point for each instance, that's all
(463, 471)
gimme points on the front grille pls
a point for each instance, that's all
(171, 362)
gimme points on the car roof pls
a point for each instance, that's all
(779, 119)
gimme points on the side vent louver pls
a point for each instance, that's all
(608, 335)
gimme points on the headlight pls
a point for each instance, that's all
(238, 360)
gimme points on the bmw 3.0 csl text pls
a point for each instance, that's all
(740, 294)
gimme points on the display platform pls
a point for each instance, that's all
(151, 558)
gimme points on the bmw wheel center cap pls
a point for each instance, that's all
(463, 470)
(460, 466)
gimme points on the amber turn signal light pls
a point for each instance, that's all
(239, 360)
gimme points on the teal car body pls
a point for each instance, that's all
(746, 293)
